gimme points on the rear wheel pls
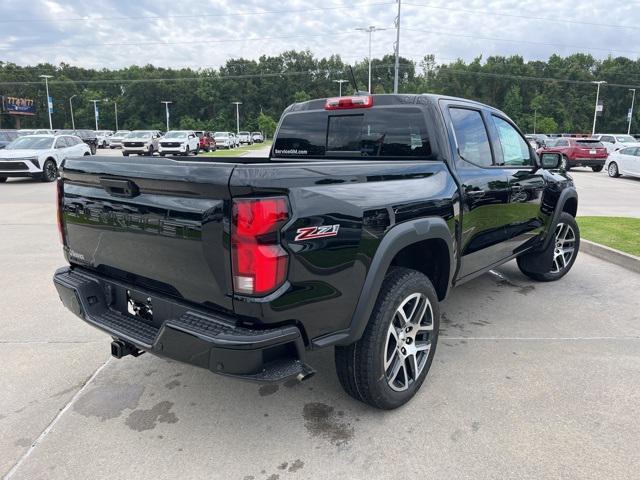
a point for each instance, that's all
(187, 152)
(566, 240)
(564, 164)
(125, 154)
(387, 366)
(597, 168)
(49, 171)
(613, 170)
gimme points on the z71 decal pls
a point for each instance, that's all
(311, 233)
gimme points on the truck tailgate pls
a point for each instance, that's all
(156, 223)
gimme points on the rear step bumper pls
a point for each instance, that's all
(187, 335)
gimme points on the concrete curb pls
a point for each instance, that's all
(622, 259)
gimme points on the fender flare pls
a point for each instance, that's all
(397, 238)
(566, 194)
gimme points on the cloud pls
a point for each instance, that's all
(196, 33)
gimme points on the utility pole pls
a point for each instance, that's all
(237, 104)
(115, 106)
(166, 107)
(49, 102)
(95, 110)
(595, 112)
(535, 119)
(397, 49)
(340, 82)
(73, 123)
(370, 30)
(631, 110)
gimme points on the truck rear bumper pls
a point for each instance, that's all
(586, 162)
(203, 339)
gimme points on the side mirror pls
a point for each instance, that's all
(550, 161)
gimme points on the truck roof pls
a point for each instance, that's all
(388, 99)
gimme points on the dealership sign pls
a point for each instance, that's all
(17, 105)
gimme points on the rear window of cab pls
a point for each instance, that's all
(390, 132)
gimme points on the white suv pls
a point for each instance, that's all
(245, 137)
(103, 137)
(224, 140)
(39, 156)
(115, 140)
(615, 141)
(179, 142)
(140, 142)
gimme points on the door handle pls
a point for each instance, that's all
(475, 193)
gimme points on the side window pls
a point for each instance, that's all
(471, 135)
(515, 150)
(60, 143)
(562, 143)
(608, 139)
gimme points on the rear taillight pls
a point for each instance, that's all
(345, 103)
(259, 261)
(59, 199)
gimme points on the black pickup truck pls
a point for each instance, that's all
(368, 211)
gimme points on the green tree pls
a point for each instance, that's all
(301, 96)
(267, 125)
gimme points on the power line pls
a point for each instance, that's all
(528, 42)
(526, 17)
(201, 15)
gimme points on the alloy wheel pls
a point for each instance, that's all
(613, 169)
(565, 240)
(50, 171)
(408, 342)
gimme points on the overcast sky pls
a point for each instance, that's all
(205, 33)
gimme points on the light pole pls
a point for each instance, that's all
(340, 82)
(49, 102)
(397, 45)
(237, 104)
(95, 111)
(595, 112)
(370, 29)
(166, 107)
(633, 98)
(535, 118)
(115, 107)
(73, 123)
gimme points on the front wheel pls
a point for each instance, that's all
(613, 170)
(597, 168)
(566, 244)
(387, 366)
(564, 164)
(49, 171)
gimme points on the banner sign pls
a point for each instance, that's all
(17, 106)
(599, 108)
(629, 113)
(97, 113)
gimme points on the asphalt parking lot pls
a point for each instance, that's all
(530, 381)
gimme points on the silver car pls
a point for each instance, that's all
(141, 142)
(115, 140)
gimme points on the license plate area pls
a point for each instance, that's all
(592, 152)
(139, 305)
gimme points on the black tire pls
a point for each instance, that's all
(597, 168)
(93, 148)
(86, 154)
(555, 273)
(150, 152)
(564, 164)
(162, 154)
(360, 366)
(197, 151)
(49, 171)
(187, 152)
(613, 170)
(104, 144)
(125, 154)
(3, 179)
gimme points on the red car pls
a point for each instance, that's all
(578, 152)
(207, 142)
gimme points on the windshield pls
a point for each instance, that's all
(139, 133)
(244, 133)
(175, 135)
(4, 136)
(31, 143)
(625, 139)
(221, 134)
(121, 133)
(589, 143)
